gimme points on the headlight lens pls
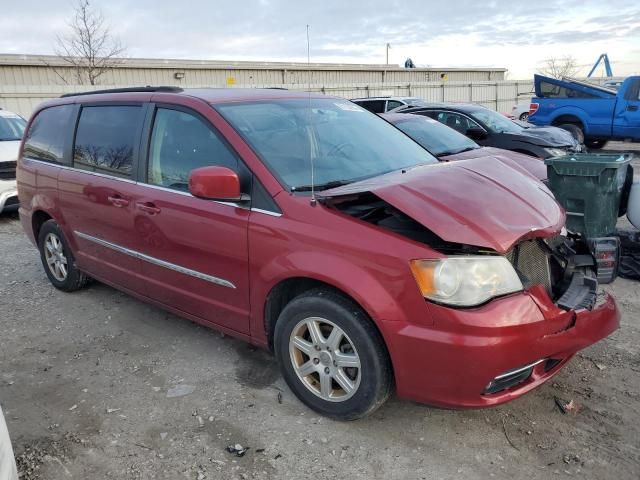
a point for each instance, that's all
(555, 152)
(465, 281)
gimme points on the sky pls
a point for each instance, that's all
(512, 34)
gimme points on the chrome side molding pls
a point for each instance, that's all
(156, 261)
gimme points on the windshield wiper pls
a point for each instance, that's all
(455, 152)
(321, 186)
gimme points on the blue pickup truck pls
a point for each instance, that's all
(593, 114)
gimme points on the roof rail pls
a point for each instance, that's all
(146, 89)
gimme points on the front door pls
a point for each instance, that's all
(98, 193)
(195, 255)
(626, 119)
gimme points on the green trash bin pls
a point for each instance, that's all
(589, 187)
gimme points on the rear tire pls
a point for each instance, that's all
(332, 356)
(57, 259)
(574, 130)
(524, 117)
(595, 144)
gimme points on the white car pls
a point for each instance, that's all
(11, 131)
(520, 111)
(7, 460)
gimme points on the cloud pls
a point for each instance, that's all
(456, 32)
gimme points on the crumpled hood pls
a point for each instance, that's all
(532, 165)
(481, 202)
(546, 137)
(9, 150)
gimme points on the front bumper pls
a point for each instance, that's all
(453, 362)
(8, 195)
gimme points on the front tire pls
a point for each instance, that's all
(595, 144)
(57, 259)
(332, 356)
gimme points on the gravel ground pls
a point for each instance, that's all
(96, 384)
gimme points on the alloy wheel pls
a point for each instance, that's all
(325, 359)
(55, 257)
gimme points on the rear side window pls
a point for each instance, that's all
(46, 136)
(391, 104)
(374, 106)
(181, 142)
(105, 139)
(549, 90)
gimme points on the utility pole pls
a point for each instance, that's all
(388, 47)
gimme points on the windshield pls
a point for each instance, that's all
(434, 136)
(495, 121)
(11, 127)
(415, 102)
(346, 142)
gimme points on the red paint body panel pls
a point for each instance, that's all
(214, 183)
(200, 235)
(466, 349)
(519, 161)
(480, 202)
(440, 355)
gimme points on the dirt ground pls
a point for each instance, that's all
(98, 385)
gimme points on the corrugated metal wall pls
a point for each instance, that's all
(43, 75)
(500, 96)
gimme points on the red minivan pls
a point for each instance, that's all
(307, 225)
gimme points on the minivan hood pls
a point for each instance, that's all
(533, 165)
(9, 150)
(546, 137)
(481, 202)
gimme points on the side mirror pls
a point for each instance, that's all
(476, 133)
(215, 183)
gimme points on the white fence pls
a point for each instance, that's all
(497, 95)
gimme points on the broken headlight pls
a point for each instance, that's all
(465, 281)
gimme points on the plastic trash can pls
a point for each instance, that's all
(589, 187)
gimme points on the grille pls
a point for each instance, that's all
(7, 170)
(531, 261)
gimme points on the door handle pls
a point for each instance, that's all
(148, 207)
(632, 108)
(118, 201)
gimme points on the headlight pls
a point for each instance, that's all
(555, 152)
(466, 280)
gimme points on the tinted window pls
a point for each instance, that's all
(181, 142)
(458, 122)
(549, 90)
(375, 106)
(344, 142)
(434, 136)
(105, 139)
(391, 104)
(46, 137)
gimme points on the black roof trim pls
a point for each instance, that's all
(147, 89)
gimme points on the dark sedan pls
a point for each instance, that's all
(448, 145)
(491, 129)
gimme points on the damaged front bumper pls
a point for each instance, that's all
(485, 356)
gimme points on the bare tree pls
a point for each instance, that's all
(89, 49)
(559, 67)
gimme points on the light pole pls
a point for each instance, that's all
(388, 47)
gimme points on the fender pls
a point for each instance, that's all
(380, 301)
(579, 113)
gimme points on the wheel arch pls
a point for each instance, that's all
(37, 220)
(283, 292)
(573, 117)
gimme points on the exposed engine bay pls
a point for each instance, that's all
(568, 266)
